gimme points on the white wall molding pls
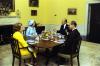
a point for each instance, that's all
(8, 20)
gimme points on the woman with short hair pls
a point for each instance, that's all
(18, 28)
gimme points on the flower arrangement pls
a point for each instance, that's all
(46, 35)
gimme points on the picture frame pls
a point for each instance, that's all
(7, 5)
(33, 12)
(72, 11)
(34, 3)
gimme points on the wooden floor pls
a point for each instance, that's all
(89, 56)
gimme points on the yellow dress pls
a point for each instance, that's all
(22, 43)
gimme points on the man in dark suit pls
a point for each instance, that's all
(71, 42)
(63, 27)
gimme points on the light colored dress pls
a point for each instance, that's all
(31, 31)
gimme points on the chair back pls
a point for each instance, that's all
(24, 31)
(15, 48)
(78, 45)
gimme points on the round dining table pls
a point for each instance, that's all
(47, 45)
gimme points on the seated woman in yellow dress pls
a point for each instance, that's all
(18, 28)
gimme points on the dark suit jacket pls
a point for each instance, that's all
(62, 29)
(72, 41)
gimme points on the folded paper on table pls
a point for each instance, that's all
(60, 41)
(45, 39)
(31, 42)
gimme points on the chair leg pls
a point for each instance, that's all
(71, 60)
(78, 60)
(13, 60)
(19, 62)
(33, 60)
(24, 62)
(58, 65)
(38, 49)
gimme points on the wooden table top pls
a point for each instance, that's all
(46, 44)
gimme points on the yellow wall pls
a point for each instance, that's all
(48, 8)
(59, 7)
(25, 11)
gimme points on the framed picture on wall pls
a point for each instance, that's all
(33, 3)
(33, 12)
(7, 5)
(72, 11)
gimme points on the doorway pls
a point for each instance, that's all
(94, 23)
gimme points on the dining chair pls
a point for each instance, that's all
(24, 33)
(72, 55)
(17, 53)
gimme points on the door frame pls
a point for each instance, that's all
(88, 17)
